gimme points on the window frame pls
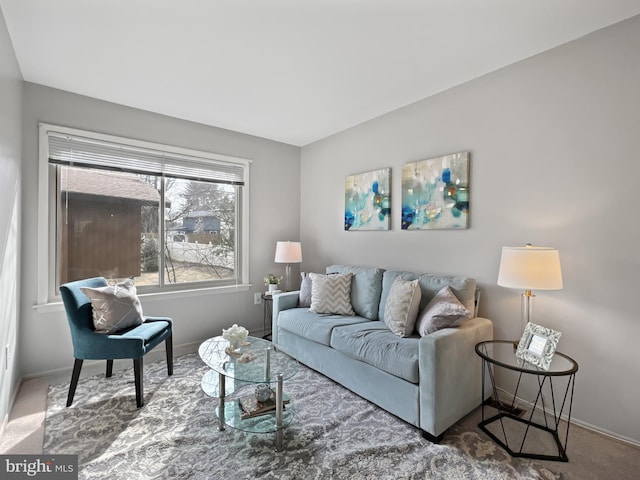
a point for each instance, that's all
(47, 242)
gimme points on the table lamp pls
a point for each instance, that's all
(288, 252)
(529, 268)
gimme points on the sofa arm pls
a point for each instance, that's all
(282, 301)
(451, 374)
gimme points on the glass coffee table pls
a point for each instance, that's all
(235, 374)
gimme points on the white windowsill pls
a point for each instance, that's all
(159, 296)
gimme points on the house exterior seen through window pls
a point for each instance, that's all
(169, 224)
(109, 225)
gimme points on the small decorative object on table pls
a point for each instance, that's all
(235, 335)
(252, 407)
(537, 345)
(263, 392)
(272, 282)
(245, 357)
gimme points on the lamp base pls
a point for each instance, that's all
(526, 308)
(287, 277)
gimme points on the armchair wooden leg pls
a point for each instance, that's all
(77, 366)
(109, 368)
(169, 347)
(137, 372)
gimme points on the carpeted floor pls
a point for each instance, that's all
(335, 435)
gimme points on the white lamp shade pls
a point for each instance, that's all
(530, 268)
(288, 252)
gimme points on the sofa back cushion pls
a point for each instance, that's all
(430, 284)
(366, 288)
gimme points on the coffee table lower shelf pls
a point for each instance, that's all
(232, 411)
(260, 424)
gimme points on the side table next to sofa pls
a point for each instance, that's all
(267, 313)
(500, 353)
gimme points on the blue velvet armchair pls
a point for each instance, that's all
(133, 343)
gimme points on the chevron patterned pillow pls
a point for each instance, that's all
(401, 309)
(331, 294)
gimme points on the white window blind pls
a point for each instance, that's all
(75, 150)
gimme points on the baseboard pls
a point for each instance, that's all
(5, 421)
(606, 433)
(96, 367)
(577, 422)
(505, 407)
(12, 402)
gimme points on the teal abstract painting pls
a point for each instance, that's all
(367, 200)
(435, 193)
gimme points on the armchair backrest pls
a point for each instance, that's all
(78, 306)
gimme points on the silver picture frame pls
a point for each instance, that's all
(538, 345)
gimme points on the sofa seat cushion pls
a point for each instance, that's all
(316, 327)
(375, 344)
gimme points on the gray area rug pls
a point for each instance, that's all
(335, 435)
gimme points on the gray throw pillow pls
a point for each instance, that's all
(115, 308)
(443, 311)
(331, 294)
(304, 297)
(401, 309)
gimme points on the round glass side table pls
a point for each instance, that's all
(501, 353)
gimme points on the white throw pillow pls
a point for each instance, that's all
(443, 311)
(403, 304)
(115, 308)
(331, 294)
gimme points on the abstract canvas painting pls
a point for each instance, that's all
(367, 200)
(435, 193)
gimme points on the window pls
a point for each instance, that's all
(172, 218)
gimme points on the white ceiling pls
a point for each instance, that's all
(290, 70)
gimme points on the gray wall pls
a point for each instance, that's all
(10, 105)
(554, 144)
(275, 174)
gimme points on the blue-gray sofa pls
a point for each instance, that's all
(430, 382)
